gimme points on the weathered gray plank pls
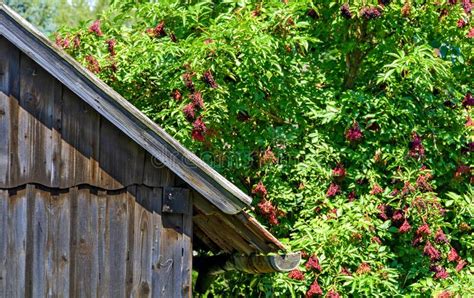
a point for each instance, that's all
(155, 204)
(156, 174)
(85, 243)
(117, 253)
(187, 250)
(103, 237)
(80, 146)
(176, 251)
(9, 68)
(38, 93)
(131, 248)
(3, 241)
(142, 243)
(38, 224)
(5, 131)
(17, 241)
(58, 249)
(121, 159)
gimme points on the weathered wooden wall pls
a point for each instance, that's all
(80, 203)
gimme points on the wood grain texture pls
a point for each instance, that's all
(3, 241)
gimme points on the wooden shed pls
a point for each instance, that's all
(96, 200)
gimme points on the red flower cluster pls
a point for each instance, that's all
(470, 34)
(267, 210)
(197, 100)
(416, 147)
(370, 12)
(468, 99)
(314, 290)
(460, 265)
(313, 263)
(111, 46)
(345, 11)
(461, 171)
(406, 9)
(296, 274)
(461, 23)
(260, 190)
(440, 237)
(423, 230)
(268, 157)
(431, 251)
(469, 122)
(440, 272)
(332, 294)
(189, 112)
(385, 211)
(376, 189)
(453, 255)
(405, 227)
(333, 190)
(407, 188)
(95, 28)
(92, 64)
(176, 94)
(158, 31)
(467, 6)
(422, 182)
(188, 81)
(77, 42)
(199, 130)
(339, 172)
(208, 78)
(444, 294)
(62, 42)
(345, 271)
(352, 196)
(354, 133)
(363, 268)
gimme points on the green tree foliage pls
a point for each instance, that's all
(349, 124)
(49, 15)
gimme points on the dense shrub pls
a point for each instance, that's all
(349, 123)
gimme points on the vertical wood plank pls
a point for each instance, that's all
(131, 248)
(121, 159)
(142, 243)
(85, 243)
(80, 126)
(5, 131)
(17, 240)
(176, 252)
(103, 237)
(38, 93)
(3, 241)
(156, 205)
(187, 250)
(38, 224)
(118, 237)
(9, 86)
(9, 68)
(59, 236)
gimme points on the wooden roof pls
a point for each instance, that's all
(226, 196)
(229, 200)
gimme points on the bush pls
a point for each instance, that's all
(350, 125)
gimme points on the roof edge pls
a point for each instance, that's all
(112, 106)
